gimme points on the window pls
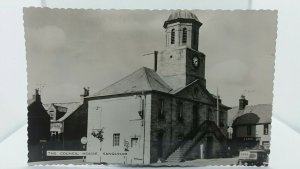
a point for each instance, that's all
(116, 139)
(134, 142)
(161, 114)
(172, 36)
(184, 35)
(221, 119)
(52, 116)
(266, 129)
(249, 130)
(266, 144)
(179, 110)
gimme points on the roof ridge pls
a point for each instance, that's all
(159, 81)
(182, 88)
(146, 73)
(143, 79)
(118, 81)
(68, 114)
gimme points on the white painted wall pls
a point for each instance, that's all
(119, 115)
(260, 133)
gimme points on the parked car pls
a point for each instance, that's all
(253, 157)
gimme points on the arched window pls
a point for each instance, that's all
(172, 36)
(184, 34)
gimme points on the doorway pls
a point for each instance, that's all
(209, 147)
(160, 145)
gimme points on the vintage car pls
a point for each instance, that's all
(253, 157)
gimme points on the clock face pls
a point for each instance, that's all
(196, 61)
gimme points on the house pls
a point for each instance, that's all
(165, 114)
(68, 123)
(251, 125)
(59, 112)
(38, 129)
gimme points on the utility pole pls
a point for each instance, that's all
(217, 107)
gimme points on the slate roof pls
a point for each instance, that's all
(182, 14)
(142, 80)
(71, 107)
(252, 114)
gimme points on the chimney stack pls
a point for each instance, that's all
(86, 92)
(243, 102)
(37, 96)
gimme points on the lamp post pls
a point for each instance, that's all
(83, 142)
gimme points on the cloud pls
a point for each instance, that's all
(47, 38)
(232, 72)
(75, 48)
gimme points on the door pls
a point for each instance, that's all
(160, 145)
(209, 147)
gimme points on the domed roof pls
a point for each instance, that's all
(182, 16)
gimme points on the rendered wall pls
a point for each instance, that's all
(119, 115)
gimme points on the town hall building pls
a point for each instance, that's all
(165, 114)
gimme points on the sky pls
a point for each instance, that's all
(68, 49)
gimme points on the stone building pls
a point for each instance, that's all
(38, 129)
(251, 125)
(165, 114)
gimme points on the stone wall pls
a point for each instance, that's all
(168, 127)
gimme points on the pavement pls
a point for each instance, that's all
(192, 163)
(201, 162)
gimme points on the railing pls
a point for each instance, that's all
(211, 127)
(196, 134)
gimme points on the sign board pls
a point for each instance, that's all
(71, 153)
(83, 140)
(57, 126)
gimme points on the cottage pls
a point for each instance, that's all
(251, 125)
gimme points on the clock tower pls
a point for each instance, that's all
(181, 63)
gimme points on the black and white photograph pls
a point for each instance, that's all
(150, 87)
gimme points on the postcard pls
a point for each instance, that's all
(149, 87)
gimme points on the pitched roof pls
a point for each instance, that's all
(71, 107)
(143, 79)
(253, 114)
(210, 95)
